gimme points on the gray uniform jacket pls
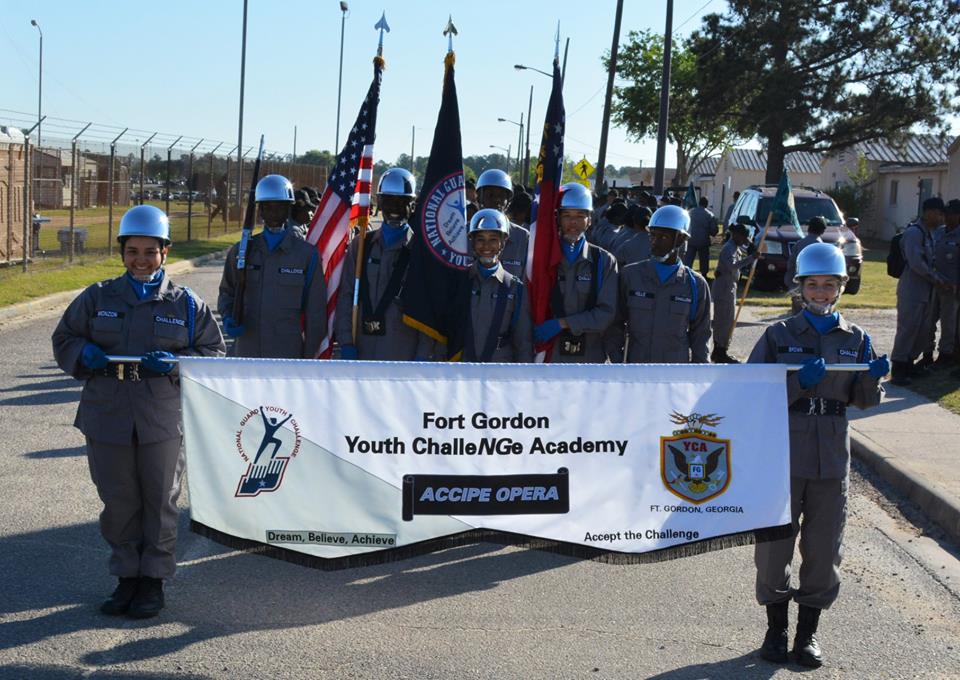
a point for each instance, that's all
(916, 282)
(724, 290)
(667, 322)
(946, 254)
(574, 282)
(515, 337)
(281, 285)
(703, 225)
(633, 247)
(820, 444)
(514, 255)
(399, 341)
(792, 260)
(109, 315)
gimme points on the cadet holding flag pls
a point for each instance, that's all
(819, 449)
(494, 190)
(584, 298)
(130, 412)
(724, 289)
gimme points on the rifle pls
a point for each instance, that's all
(248, 220)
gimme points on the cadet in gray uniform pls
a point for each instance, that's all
(724, 289)
(666, 305)
(584, 298)
(633, 243)
(946, 261)
(819, 449)
(285, 295)
(130, 412)
(703, 226)
(815, 229)
(494, 190)
(381, 333)
(915, 291)
(498, 328)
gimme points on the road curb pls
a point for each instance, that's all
(56, 302)
(938, 507)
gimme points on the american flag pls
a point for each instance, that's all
(345, 200)
(543, 252)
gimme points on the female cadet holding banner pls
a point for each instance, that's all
(819, 448)
(130, 412)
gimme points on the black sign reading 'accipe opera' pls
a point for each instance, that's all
(546, 494)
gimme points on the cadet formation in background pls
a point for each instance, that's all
(626, 291)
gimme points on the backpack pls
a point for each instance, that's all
(896, 263)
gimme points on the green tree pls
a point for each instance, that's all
(855, 197)
(317, 157)
(636, 105)
(819, 76)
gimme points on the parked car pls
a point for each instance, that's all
(755, 203)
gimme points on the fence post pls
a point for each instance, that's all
(143, 150)
(190, 188)
(10, 212)
(26, 202)
(169, 151)
(113, 157)
(210, 191)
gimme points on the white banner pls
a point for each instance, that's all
(338, 459)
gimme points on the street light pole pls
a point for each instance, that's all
(33, 22)
(526, 158)
(611, 72)
(343, 25)
(243, 68)
(519, 140)
(664, 103)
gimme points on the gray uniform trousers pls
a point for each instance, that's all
(946, 262)
(514, 255)
(724, 291)
(819, 460)
(666, 322)
(399, 341)
(574, 282)
(283, 286)
(133, 426)
(515, 334)
(914, 295)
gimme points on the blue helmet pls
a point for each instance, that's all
(671, 217)
(575, 196)
(489, 219)
(495, 178)
(397, 182)
(274, 188)
(145, 220)
(821, 259)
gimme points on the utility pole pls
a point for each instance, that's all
(611, 72)
(664, 102)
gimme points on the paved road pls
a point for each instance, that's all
(479, 611)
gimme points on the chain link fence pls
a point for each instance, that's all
(64, 197)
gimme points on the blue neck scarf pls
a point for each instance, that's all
(273, 239)
(145, 289)
(392, 235)
(487, 272)
(665, 271)
(572, 251)
(823, 324)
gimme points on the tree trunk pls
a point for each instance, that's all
(683, 172)
(775, 157)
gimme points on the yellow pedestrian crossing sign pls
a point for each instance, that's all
(583, 169)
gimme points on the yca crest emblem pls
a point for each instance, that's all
(694, 463)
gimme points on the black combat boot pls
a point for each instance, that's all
(805, 646)
(148, 601)
(775, 642)
(900, 373)
(122, 596)
(720, 356)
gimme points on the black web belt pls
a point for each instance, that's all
(818, 406)
(123, 370)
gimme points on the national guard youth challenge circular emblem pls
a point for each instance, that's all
(268, 439)
(445, 221)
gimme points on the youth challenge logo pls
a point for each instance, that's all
(260, 441)
(445, 221)
(694, 463)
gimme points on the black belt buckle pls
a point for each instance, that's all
(572, 345)
(123, 370)
(820, 406)
(374, 327)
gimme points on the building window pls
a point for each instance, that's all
(894, 185)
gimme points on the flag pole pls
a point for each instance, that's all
(364, 219)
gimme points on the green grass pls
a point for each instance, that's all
(941, 387)
(53, 273)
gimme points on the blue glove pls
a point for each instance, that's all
(879, 367)
(547, 330)
(349, 353)
(93, 357)
(812, 372)
(232, 328)
(157, 361)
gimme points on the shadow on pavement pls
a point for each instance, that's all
(61, 574)
(748, 666)
(68, 452)
(45, 672)
(58, 384)
(44, 398)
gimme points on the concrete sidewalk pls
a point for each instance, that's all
(914, 444)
